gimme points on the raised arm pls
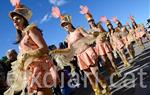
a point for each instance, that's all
(83, 32)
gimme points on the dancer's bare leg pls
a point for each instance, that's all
(100, 79)
(92, 80)
(141, 43)
(107, 65)
(125, 60)
(112, 60)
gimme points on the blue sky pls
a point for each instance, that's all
(52, 31)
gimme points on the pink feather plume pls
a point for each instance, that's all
(114, 18)
(84, 9)
(56, 12)
(132, 18)
(103, 19)
(15, 2)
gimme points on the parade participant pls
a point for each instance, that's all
(139, 32)
(86, 56)
(11, 57)
(103, 47)
(33, 69)
(124, 35)
(131, 36)
(116, 40)
(3, 74)
(11, 54)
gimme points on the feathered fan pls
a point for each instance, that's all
(114, 18)
(15, 3)
(84, 9)
(56, 12)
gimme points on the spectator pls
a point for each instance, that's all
(11, 57)
(3, 85)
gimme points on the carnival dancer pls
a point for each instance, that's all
(33, 69)
(131, 36)
(116, 40)
(139, 32)
(103, 47)
(78, 42)
(124, 35)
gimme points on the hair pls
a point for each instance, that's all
(71, 27)
(128, 27)
(65, 44)
(100, 27)
(12, 51)
(134, 25)
(93, 22)
(52, 47)
(61, 45)
(111, 28)
(119, 25)
(19, 33)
